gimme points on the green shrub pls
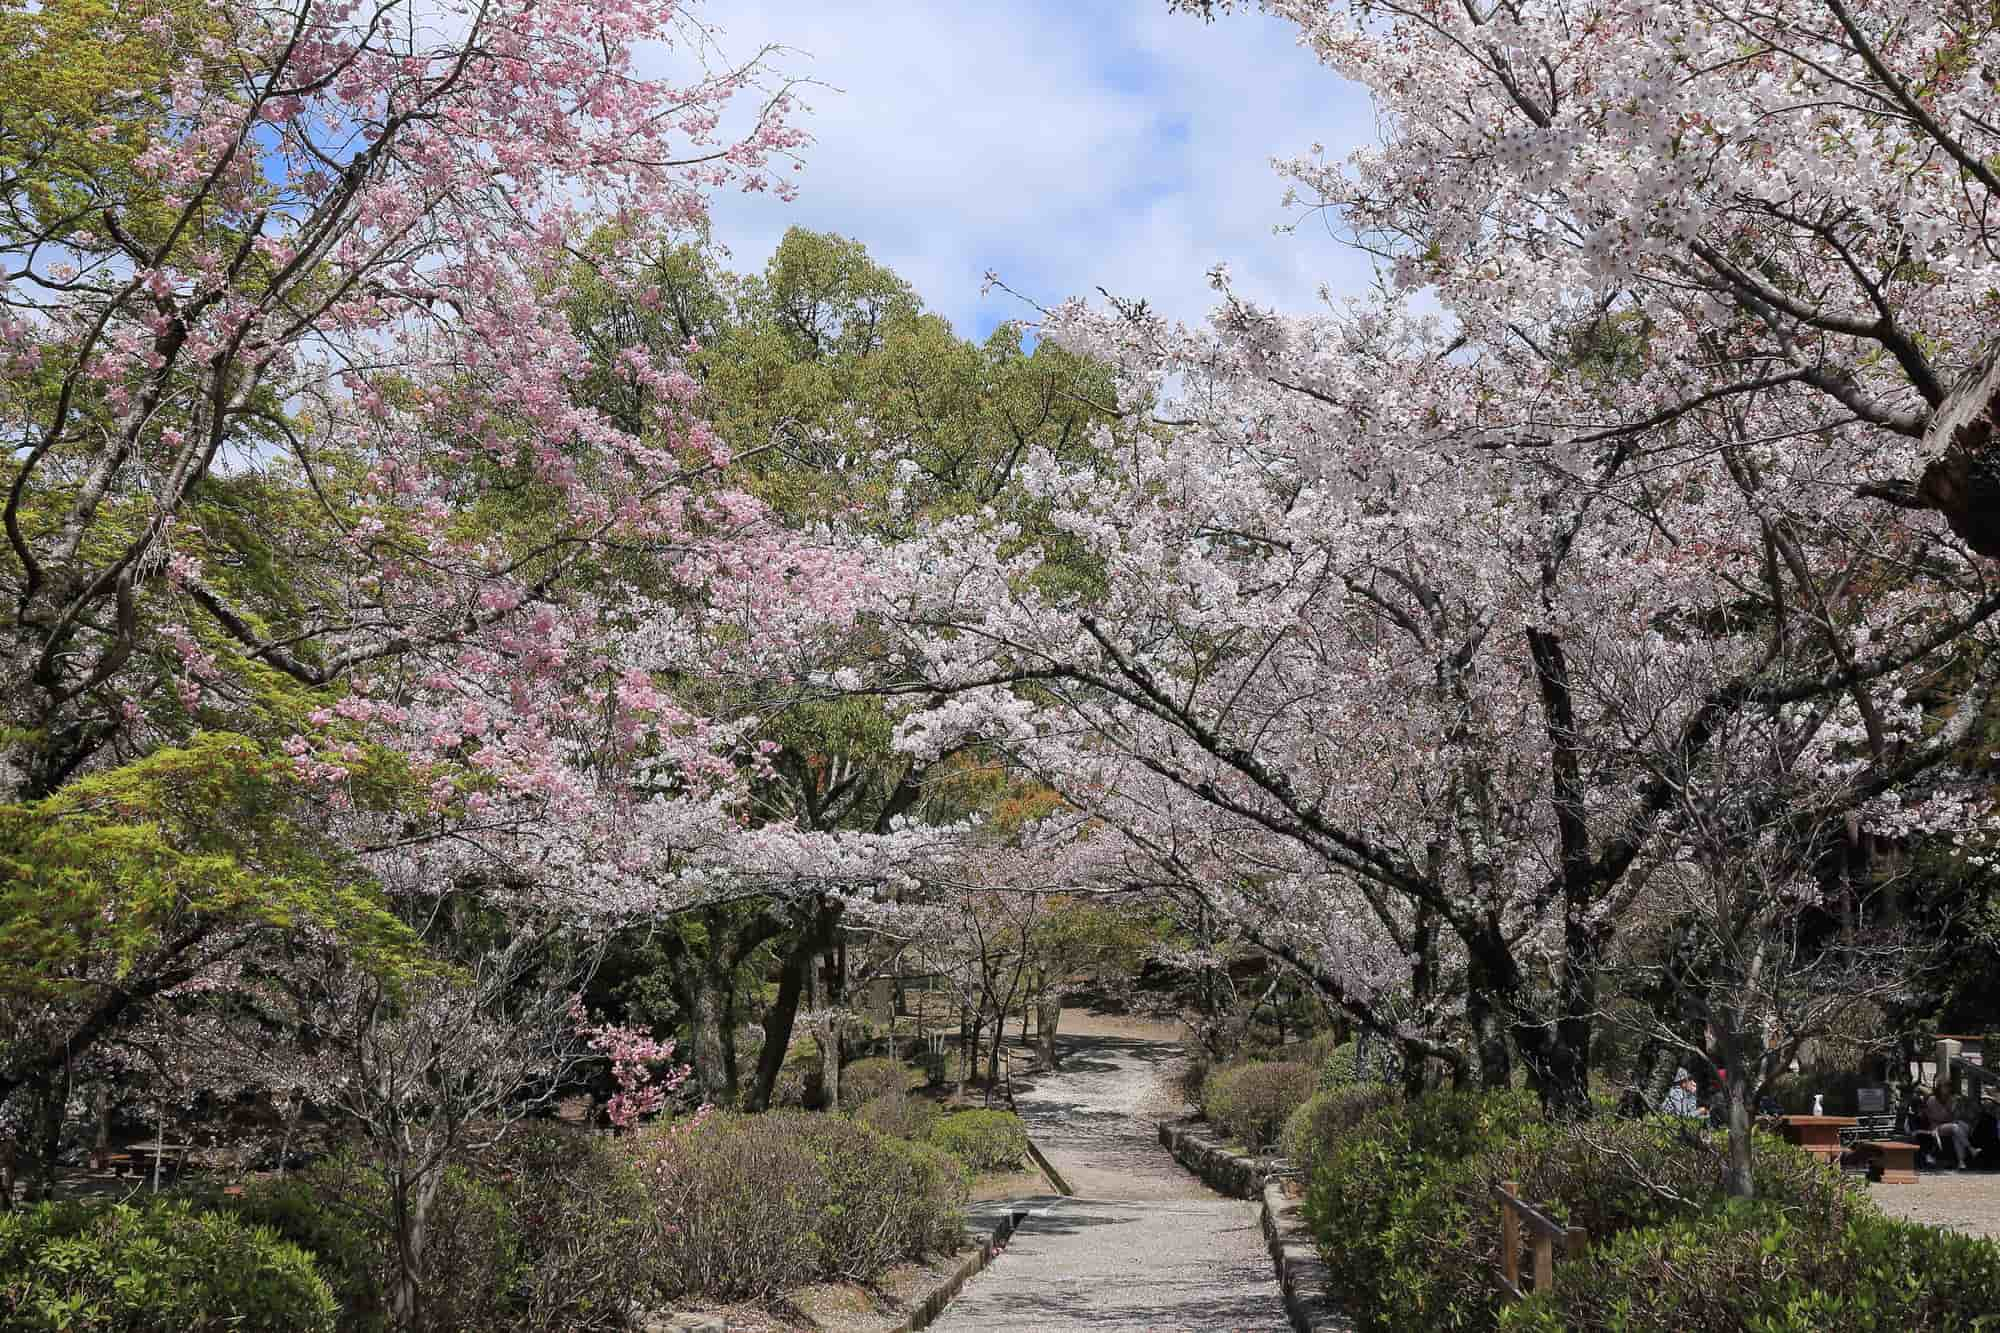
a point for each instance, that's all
(1372, 1192)
(1760, 1266)
(798, 1081)
(1193, 1075)
(587, 1238)
(748, 1206)
(126, 1269)
(1324, 1116)
(1402, 1201)
(882, 1200)
(322, 1210)
(899, 1115)
(1840, 1087)
(1250, 1103)
(1342, 1066)
(983, 1140)
(339, 1210)
(865, 1080)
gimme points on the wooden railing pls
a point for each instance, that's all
(1544, 1234)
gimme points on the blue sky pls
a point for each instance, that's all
(1067, 146)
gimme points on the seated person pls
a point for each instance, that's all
(1986, 1132)
(1680, 1099)
(1943, 1120)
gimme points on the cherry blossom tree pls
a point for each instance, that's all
(1362, 669)
(1381, 593)
(311, 516)
(1792, 201)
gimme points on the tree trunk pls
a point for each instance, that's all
(1740, 1183)
(732, 1082)
(783, 1014)
(705, 1028)
(48, 1142)
(1489, 1034)
(994, 1056)
(1048, 1014)
(100, 1146)
(1416, 1070)
(411, 1202)
(829, 1062)
(967, 1055)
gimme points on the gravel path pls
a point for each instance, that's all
(1967, 1201)
(1143, 1245)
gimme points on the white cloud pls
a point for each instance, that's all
(1068, 146)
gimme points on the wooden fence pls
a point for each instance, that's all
(1544, 1234)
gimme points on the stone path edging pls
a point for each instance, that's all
(1223, 1171)
(933, 1305)
(1302, 1275)
(1048, 1169)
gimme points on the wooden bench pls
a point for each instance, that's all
(1890, 1161)
(1871, 1125)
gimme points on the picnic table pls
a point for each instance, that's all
(171, 1157)
(1817, 1134)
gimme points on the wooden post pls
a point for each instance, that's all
(1545, 1262)
(1510, 1236)
(1575, 1242)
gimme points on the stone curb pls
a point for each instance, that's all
(1303, 1276)
(933, 1305)
(1220, 1169)
(1049, 1170)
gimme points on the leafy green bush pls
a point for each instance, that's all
(899, 1115)
(340, 1211)
(882, 1199)
(983, 1140)
(750, 1205)
(586, 1229)
(1250, 1103)
(865, 1080)
(1373, 1190)
(1326, 1115)
(1401, 1202)
(1760, 1266)
(798, 1081)
(324, 1211)
(1841, 1088)
(1193, 1076)
(1342, 1066)
(83, 1269)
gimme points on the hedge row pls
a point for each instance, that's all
(1400, 1199)
(73, 1268)
(556, 1233)
(982, 1140)
(1249, 1102)
(1759, 1266)
(755, 1204)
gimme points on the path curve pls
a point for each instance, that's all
(1143, 1244)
